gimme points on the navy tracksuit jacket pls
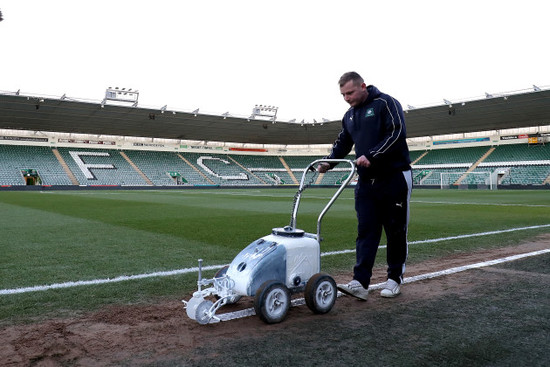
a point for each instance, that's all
(377, 130)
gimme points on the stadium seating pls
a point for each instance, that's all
(415, 154)
(517, 164)
(222, 169)
(453, 156)
(165, 168)
(101, 167)
(269, 169)
(519, 153)
(16, 158)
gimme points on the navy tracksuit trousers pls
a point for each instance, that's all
(382, 204)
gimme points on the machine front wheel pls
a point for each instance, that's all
(201, 313)
(272, 302)
(320, 293)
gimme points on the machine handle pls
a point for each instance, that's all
(301, 188)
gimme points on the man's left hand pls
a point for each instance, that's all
(363, 162)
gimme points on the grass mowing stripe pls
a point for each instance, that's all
(215, 267)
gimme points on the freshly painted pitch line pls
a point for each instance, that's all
(108, 280)
(448, 238)
(215, 267)
(298, 302)
(469, 203)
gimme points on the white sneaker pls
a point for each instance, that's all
(354, 288)
(391, 289)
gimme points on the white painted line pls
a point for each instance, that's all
(108, 280)
(481, 234)
(215, 267)
(448, 238)
(485, 204)
(459, 269)
(298, 302)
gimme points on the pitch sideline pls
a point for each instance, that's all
(215, 267)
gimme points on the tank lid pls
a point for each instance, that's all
(288, 231)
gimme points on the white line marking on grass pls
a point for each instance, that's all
(459, 269)
(121, 278)
(298, 302)
(462, 236)
(469, 203)
(215, 267)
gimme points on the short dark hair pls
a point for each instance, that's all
(351, 75)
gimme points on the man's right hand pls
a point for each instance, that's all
(323, 167)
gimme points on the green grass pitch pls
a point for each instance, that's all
(65, 236)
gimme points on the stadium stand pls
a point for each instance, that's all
(270, 169)
(519, 164)
(510, 164)
(165, 168)
(480, 143)
(104, 167)
(506, 165)
(453, 156)
(520, 153)
(222, 170)
(437, 166)
(18, 158)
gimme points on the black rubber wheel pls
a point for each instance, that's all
(320, 293)
(272, 302)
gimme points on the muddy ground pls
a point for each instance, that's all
(137, 335)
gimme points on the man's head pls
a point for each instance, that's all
(353, 88)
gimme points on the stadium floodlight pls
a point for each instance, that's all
(266, 112)
(121, 96)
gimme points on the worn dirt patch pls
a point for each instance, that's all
(146, 334)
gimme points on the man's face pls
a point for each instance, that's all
(354, 94)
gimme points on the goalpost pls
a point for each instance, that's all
(477, 180)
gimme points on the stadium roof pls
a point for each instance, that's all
(72, 116)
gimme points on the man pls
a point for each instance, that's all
(375, 125)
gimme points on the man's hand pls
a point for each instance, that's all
(323, 167)
(363, 162)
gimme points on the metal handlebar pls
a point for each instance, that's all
(334, 197)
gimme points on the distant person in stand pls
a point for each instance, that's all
(375, 125)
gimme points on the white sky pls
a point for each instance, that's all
(223, 55)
